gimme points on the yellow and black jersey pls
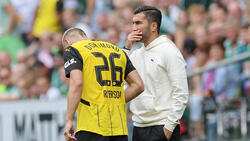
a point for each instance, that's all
(102, 109)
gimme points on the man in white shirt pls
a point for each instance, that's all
(157, 111)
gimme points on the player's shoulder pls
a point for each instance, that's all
(69, 49)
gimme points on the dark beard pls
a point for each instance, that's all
(146, 36)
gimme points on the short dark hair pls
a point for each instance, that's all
(190, 45)
(152, 14)
(222, 6)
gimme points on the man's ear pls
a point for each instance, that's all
(154, 27)
(68, 42)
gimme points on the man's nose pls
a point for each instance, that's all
(134, 27)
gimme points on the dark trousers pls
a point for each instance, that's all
(154, 133)
(89, 136)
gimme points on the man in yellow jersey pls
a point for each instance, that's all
(97, 71)
(47, 17)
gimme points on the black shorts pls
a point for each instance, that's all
(154, 133)
(89, 136)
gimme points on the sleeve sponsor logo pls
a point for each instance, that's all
(69, 62)
(67, 50)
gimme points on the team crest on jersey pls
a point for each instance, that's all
(68, 63)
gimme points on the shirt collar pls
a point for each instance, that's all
(156, 42)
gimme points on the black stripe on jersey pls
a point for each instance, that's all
(85, 102)
(121, 119)
(110, 122)
(129, 66)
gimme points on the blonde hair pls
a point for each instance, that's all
(72, 32)
(196, 8)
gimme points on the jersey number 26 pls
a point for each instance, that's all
(105, 67)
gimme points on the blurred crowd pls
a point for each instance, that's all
(205, 31)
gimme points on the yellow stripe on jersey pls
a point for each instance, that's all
(103, 108)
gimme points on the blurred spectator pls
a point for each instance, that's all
(216, 85)
(12, 45)
(57, 39)
(196, 94)
(63, 87)
(218, 12)
(9, 36)
(113, 35)
(182, 21)
(246, 78)
(115, 16)
(181, 31)
(244, 39)
(201, 37)
(119, 5)
(18, 78)
(22, 58)
(216, 32)
(231, 34)
(234, 12)
(81, 7)
(103, 24)
(72, 19)
(26, 85)
(5, 59)
(8, 18)
(220, 82)
(46, 43)
(74, 4)
(127, 13)
(45, 90)
(47, 18)
(56, 53)
(56, 50)
(174, 9)
(232, 49)
(185, 4)
(168, 26)
(7, 92)
(197, 17)
(151, 2)
(201, 58)
(189, 48)
(26, 10)
(94, 9)
(246, 15)
(39, 68)
(244, 42)
(18, 72)
(196, 107)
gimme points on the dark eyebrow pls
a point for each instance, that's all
(136, 22)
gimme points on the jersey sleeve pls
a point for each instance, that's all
(72, 60)
(129, 66)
